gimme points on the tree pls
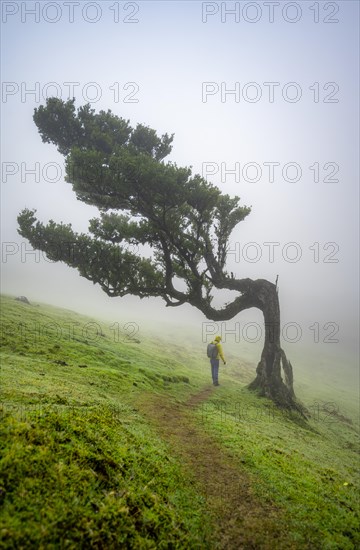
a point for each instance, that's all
(182, 222)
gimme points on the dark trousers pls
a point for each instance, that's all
(215, 370)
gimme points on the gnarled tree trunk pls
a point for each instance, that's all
(274, 374)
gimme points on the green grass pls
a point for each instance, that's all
(88, 479)
(311, 472)
(82, 467)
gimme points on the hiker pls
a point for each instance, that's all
(214, 352)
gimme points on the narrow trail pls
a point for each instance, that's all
(240, 519)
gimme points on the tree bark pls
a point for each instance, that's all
(274, 374)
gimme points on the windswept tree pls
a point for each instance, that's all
(180, 222)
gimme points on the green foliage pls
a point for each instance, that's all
(116, 269)
(145, 140)
(184, 220)
(59, 123)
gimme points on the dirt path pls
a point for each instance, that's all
(240, 519)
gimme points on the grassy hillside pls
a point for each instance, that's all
(114, 439)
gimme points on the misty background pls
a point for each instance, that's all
(185, 68)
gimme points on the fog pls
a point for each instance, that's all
(263, 103)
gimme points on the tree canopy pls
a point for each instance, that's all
(143, 200)
(161, 230)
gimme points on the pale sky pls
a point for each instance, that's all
(271, 86)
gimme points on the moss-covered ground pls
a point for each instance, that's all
(110, 440)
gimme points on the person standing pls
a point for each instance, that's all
(216, 354)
